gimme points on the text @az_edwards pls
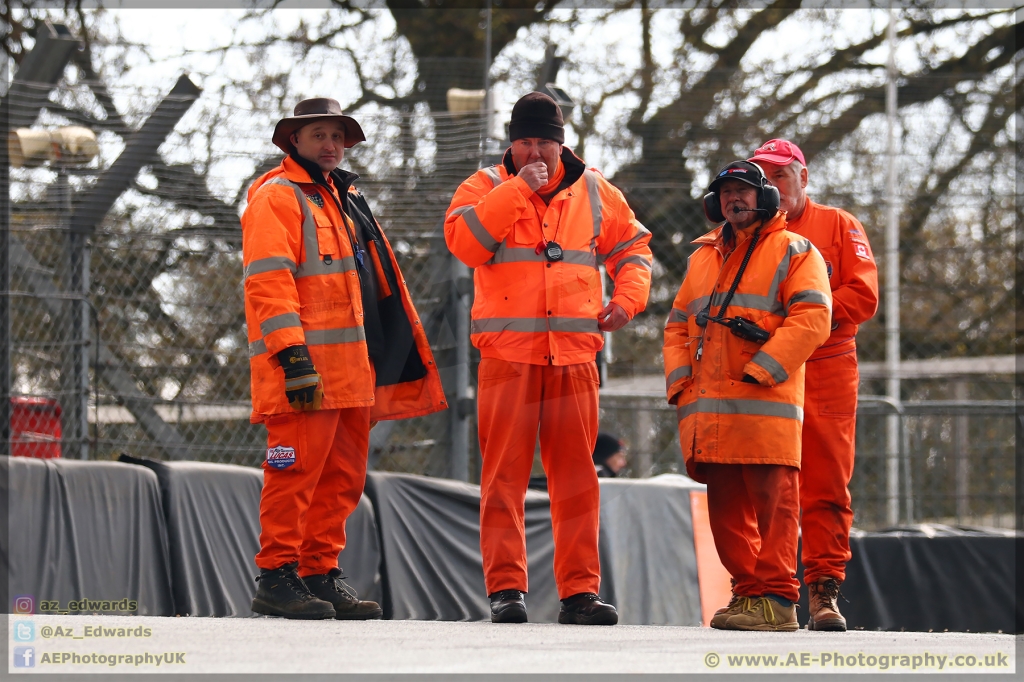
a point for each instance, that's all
(94, 631)
(90, 606)
(834, 660)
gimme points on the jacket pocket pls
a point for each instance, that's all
(326, 237)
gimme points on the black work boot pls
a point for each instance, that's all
(586, 608)
(282, 593)
(347, 605)
(508, 606)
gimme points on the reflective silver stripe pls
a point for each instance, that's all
(506, 254)
(770, 365)
(323, 337)
(697, 305)
(460, 210)
(258, 267)
(809, 296)
(677, 374)
(307, 381)
(637, 260)
(312, 266)
(257, 347)
(678, 315)
(622, 246)
(535, 324)
(761, 408)
(282, 321)
(494, 174)
(574, 324)
(802, 246)
(317, 337)
(479, 231)
(590, 177)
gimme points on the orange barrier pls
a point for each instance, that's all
(715, 585)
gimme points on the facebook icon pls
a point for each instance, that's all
(24, 657)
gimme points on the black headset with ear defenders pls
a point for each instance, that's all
(768, 198)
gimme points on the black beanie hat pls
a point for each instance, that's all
(536, 115)
(605, 446)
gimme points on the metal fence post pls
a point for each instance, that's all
(75, 371)
(5, 268)
(892, 285)
(461, 290)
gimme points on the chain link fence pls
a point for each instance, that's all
(149, 339)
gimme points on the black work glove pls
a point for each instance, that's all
(747, 379)
(302, 385)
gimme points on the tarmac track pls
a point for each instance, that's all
(272, 645)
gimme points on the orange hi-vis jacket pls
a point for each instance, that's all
(785, 291)
(527, 309)
(302, 287)
(851, 268)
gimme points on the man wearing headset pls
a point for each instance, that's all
(754, 304)
(830, 409)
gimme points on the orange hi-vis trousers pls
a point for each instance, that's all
(830, 429)
(754, 509)
(313, 478)
(514, 400)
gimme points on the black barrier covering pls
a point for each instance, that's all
(430, 539)
(213, 525)
(90, 531)
(929, 578)
(648, 559)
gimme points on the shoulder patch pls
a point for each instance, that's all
(315, 199)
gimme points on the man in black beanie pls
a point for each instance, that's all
(536, 229)
(609, 456)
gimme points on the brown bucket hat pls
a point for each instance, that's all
(309, 110)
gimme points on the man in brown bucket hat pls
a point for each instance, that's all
(335, 345)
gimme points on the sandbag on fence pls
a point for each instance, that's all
(212, 513)
(85, 537)
(930, 578)
(430, 532)
(648, 559)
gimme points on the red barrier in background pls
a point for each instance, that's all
(35, 427)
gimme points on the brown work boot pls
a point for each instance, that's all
(765, 614)
(736, 605)
(824, 606)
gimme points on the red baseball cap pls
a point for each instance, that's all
(778, 152)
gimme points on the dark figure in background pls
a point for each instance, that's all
(609, 455)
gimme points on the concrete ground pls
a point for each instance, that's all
(272, 645)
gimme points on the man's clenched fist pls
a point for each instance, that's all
(302, 384)
(535, 174)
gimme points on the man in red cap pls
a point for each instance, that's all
(536, 228)
(830, 402)
(334, 344)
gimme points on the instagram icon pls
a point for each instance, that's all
(25, 604)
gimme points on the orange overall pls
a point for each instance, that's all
(830, 404)
(535, 323)
(743, 439)
(302, 288)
